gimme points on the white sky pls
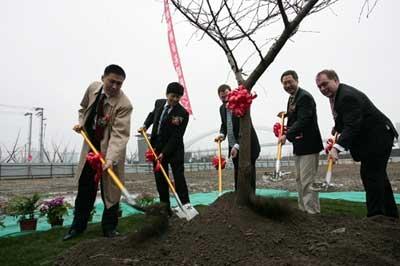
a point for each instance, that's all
(51, 50)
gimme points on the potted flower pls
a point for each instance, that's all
(24, 208)
(54, 210)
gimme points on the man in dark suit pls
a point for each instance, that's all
(368, 134)
(303, 133)
(169, 119)
(230, 125)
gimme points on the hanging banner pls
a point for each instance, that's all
(175, 57)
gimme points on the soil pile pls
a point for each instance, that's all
(225, 234)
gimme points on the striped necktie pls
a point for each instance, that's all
(163, 116)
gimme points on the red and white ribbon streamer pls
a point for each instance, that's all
(175, 57)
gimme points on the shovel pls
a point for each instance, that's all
(277, 174)
(219, 169)
(129, 199)
(326, 186)
(186, 211)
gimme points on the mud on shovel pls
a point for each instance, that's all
(327, 186)
(129, 199)
(278, 174)
(186, 211)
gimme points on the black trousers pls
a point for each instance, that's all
(252, 173)
(84, 203)
(379, 194)
(180, 182)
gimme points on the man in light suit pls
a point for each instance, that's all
(230, 127)
(105, 115)
(303, 133)
(169, 119)
(368, 134)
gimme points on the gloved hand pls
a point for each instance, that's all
(329, 145)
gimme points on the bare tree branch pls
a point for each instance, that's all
(283, 13)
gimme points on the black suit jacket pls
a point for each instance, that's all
(303, 130)
(360, 123)
(255, 145)
(170, 140)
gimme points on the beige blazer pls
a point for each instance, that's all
(116, 136)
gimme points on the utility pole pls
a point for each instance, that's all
(29, 137)
(39, 113)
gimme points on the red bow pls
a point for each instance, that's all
(239, 101)
(277, 129)
(215, 162)
(151, 158)
(329, 145)
(94, 160)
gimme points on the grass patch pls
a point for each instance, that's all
(41, 248)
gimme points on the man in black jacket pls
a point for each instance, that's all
(303, 132)
(230, 126)
(368, 134)
(169, 119)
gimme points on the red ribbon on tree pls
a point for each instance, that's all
(239, 100)
(95, 162)
(151, 158)
(277, 129)
(215, 162)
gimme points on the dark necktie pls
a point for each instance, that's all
(163, 116)
(99, 128)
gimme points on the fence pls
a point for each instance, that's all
(35, 170)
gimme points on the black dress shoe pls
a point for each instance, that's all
(72, 233)
(112, 233)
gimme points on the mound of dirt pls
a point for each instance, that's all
(225, 234)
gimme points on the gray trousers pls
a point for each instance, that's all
(306, 171)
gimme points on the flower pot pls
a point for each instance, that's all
(28, 225)
(57, 222)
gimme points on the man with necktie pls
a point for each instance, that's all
(303, 132)
(169, 119)
(105, 115)
(368, 134)
(230, 127)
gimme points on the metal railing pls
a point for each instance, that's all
(37, 170)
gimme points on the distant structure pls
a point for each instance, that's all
(398, 130)
(142, 148)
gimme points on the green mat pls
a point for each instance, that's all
(12, 226)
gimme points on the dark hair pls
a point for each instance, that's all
(223, 88)
(175, 87)
(290, 73)
(115, 69)
(331, 74)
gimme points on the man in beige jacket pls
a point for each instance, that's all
(105, 116)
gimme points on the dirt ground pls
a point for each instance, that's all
(224, 234)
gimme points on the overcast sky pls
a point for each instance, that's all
(51, 50)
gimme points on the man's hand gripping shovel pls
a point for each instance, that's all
(278, 174)
(219, 168)
(186, 211)
(327, 186)
(129, 199)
